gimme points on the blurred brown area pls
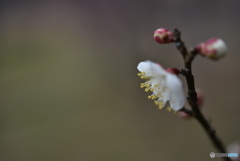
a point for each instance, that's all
(69, 89)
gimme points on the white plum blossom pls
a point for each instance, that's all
(164, 85)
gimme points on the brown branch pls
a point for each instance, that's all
(192, 95)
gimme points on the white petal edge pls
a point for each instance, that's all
(221, 47)
(149, 66)
(177, 97)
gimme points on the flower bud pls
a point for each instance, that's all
(163, 36)
(184, 115)
(213, 48)
(173, 71)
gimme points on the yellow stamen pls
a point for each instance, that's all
(156, 102)
(160, 104)
(169, 109)
(139, 74)
(154, 97)
(149, 97)
(151, 89)
(144, 77)
(160, 107)
(146, 90)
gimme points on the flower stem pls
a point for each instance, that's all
(192, 95)
(179, 43)
(192, 100)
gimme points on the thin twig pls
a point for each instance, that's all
(192, 95)
(179, 43)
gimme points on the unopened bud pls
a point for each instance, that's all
(184, 115)
(163, 36)
(173, 70)
(213, 48)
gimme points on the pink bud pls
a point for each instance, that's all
(163, 36)
(173, 70)
(213, 48)
(184, 115)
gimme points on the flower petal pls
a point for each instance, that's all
(177, 98)
(164, 85)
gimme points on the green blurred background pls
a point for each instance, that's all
(69, 89)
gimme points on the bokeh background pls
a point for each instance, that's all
(69, 89)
